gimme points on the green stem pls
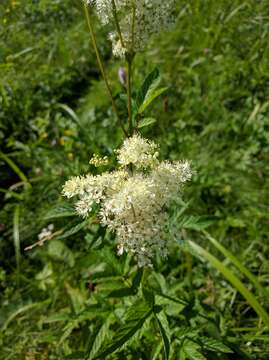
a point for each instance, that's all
(101, 66)
(16, 238)
(129, 93)
(189, 262)
(117, 22)
(133, 24)
(15, 168)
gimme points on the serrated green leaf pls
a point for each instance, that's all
(146, 122)
(100, 338)
(165, 332)
(191, 349)
(214, 345)
(185, 331)
(151, 95)
(135, 318)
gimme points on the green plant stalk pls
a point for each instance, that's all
(189, 261)
(237, 263)
(117, 24)
(15, 168)
(133, 23)
(129, 93)
(12, 193)
(251, 299)
(101, 66)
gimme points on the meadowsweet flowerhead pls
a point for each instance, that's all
(133, 204)
(138, 20)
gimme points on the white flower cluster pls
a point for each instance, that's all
(134, 199)
(46, 232)
(138, 21)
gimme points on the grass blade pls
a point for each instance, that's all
(16, 235)
(70, 112)
(15, 168)
(12, 194)
(21, 310)
(251, 299)
(237, 263)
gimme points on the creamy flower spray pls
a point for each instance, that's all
(133, 200)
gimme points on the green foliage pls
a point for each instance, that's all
(73, 297)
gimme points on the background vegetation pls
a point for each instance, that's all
(68, 298)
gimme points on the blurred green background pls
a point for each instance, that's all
(55, 113)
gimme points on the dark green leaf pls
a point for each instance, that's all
(151, 95)
(151, 80)
(148, 296)
(191, 349)
(165, 332)
(137, 279)
(134, 320)
(100, 337)
(121, 292)
(75, 356)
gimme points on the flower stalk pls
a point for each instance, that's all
(101, 66)
(129, 93)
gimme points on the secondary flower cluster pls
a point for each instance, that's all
(133, 200)
(138, 20)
